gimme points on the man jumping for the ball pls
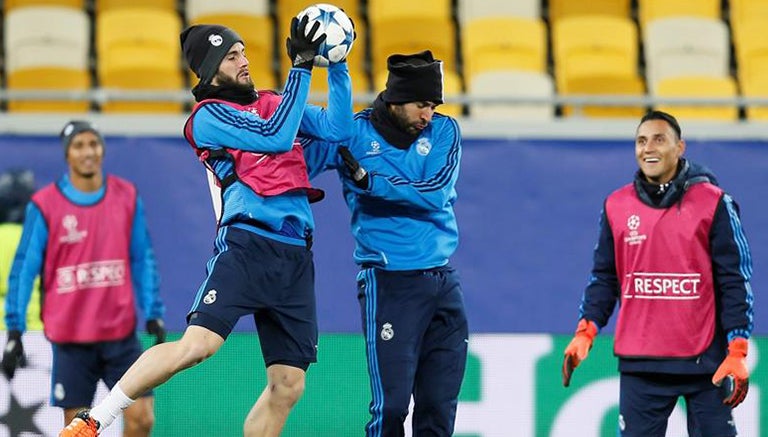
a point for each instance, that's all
(262, 264)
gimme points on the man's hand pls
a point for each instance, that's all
(578, 348)
(156, 327)
(735, 366)
(358, 174)
(302, 46)
(13, 354)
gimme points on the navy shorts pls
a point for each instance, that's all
(253, 275)
(77, 369)
(646, 401)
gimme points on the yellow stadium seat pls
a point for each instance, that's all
(686, 46)
(109, 5)
(486, 49)
(521, 84)
(602, 84)
(53, 79)
(581, 49)
(451, 88)
(751, 49)
(752, 68)
(469, 10)
(8, 5)
(149, 60)
(51, 57)
(701, 87)
(756, 87)
(747, 10)
(569, 8)
(654, 9)
(389, 10)
(410, 36)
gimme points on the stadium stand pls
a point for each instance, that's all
(584, 48)
(484, 48)
(699, 87)
(686, 46)
(50, 57)
(511, 84)
(148, 60)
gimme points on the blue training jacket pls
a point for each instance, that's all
(288, 216)
(31, 250)
(405, 220)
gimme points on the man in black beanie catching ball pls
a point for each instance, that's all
(262, 266)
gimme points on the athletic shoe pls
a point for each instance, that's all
(81, 426)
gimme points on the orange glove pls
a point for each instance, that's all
(734, 366)
(578, 348)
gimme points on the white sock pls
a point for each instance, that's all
(111, 407)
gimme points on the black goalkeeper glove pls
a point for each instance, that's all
(13, 354)
(302, 47)
(358, 174)
(156, 327)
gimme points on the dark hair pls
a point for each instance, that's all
(661, 115)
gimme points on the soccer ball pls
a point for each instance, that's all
(340, 33)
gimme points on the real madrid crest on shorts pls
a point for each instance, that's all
(423, 146)
(210, 297)
(386, 332)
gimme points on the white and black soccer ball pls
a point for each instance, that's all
(338, 28)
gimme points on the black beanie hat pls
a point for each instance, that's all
(204, 46)
(76, 127)
(414, 78)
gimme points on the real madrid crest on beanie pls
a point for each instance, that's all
(204, 46)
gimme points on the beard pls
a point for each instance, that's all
(232, 83)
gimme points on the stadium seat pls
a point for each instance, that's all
(451, 88)
(604, 84)
(649, 10)
(385, 11)
(747, 10)
(51, 57)
(469, 10)
(701, 87)
(569, 8)
(58, 79)
(149, 60)
(520, 84)
(751, 49)
(686, 46)
(486, 49)
(411, 35)
(109, 5)
(9, 5)
(581, 49)
(756, 87)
